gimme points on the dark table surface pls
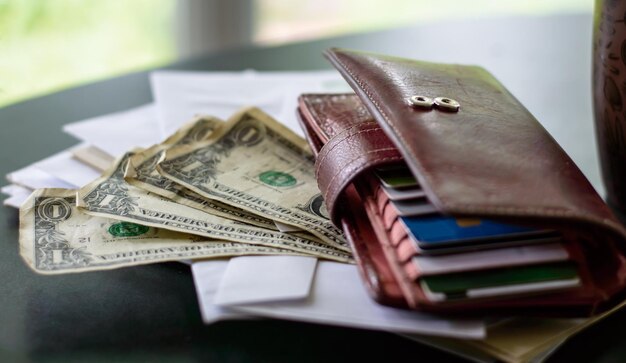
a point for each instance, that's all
(151, 312)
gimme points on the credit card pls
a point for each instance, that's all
(396, 177)
(501, 282)
(491, 259)
(413, 207)
(404, 194)
(443, 231)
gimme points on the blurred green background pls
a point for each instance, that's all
(47, 45)
(50, 44)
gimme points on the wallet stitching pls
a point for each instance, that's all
(331, 185)
(342, 186)
(469, 207)
(324, 154)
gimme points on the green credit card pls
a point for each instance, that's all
(396, 177)
(461, 282)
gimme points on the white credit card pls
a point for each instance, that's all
(254, 279)
(495, 258)
(404, 194)
(207, 275)
(413, 207)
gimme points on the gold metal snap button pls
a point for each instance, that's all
(421, 101)
(447, 104)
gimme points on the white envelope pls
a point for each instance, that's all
(337, 297)
(60, 170)
(207, 276)
(16, 200)
(63, 166)
(253, 279)
(119, 132)
(34, 178)
(17, 195)
(181, 95)
(13, 189)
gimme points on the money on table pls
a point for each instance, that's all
(132, 215)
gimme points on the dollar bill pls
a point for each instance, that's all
(111, 197)
(142, 173)
(55, 237)
(256, 164)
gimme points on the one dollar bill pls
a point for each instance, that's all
(256, 164)
(142, 173)
(111, 197)
(56, 237)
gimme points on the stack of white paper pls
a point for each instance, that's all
(119, 132)
(337, 298)
(181, 95)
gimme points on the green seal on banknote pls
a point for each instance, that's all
(127, 229)
(277, 179)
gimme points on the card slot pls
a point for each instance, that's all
(365, 188)
(365, 239)
(382, 203)
(403, 194)
(390, 215)
(381, 200)
(409, 274)
(563, 303)
(405, 250)
(411, 270)
(397, 233)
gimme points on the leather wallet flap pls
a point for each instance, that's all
(490, 158)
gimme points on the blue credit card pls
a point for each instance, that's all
(442, 231)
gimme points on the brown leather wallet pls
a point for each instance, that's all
(489, 158)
